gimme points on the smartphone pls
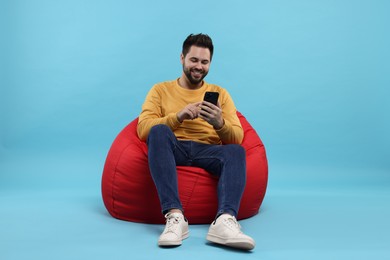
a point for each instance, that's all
(211, 97)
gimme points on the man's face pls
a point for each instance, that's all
(196, 64)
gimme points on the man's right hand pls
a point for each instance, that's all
(190, 112)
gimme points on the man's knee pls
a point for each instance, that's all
(236, 151)
(159, 131)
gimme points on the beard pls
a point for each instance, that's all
(194, 80)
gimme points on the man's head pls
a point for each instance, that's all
(199, 40)
(196, 57)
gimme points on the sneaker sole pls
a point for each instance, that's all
(175, 242)
(235, 243)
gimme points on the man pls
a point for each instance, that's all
(182, 129)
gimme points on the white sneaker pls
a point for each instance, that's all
(176, 229)
(226, 231)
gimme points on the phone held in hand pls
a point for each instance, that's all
(211, 97)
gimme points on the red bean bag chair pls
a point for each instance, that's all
(129, 192)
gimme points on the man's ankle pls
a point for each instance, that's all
(175, 211)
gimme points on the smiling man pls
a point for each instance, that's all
(181, 128)
(195, 66)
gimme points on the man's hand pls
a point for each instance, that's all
(212, 114)
(191, 112)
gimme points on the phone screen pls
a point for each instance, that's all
(211, 97)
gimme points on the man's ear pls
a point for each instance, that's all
(182, 58)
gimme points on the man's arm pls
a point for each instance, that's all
(152, 115)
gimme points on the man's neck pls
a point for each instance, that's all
(185, 83)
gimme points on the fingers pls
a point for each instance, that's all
(206, 103)
(193, 110)
(203, 109)
(193, 113)
(211, 114)
(210, 110)
(196, 108)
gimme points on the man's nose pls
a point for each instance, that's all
(198, 66)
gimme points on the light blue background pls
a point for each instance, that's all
(312, 77)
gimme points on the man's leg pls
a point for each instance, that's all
(163, 148)
(162, 165)
(229, 163)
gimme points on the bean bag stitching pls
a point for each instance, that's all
(114, 175)
(253, 147)
(192, 191)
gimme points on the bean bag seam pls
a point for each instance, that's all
(253, 147)
(114, 175)
(192, 191)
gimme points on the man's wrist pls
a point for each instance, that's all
(219, 127)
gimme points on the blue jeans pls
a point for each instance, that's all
(227, 162)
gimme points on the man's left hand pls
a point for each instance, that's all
(212, 114)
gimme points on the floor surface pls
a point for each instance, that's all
(51, 208)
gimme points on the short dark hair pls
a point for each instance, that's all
(199, 40)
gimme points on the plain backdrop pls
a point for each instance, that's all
(312, 77)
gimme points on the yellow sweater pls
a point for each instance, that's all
(166, 99)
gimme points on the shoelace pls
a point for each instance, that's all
(171, 223)
(233, 224)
